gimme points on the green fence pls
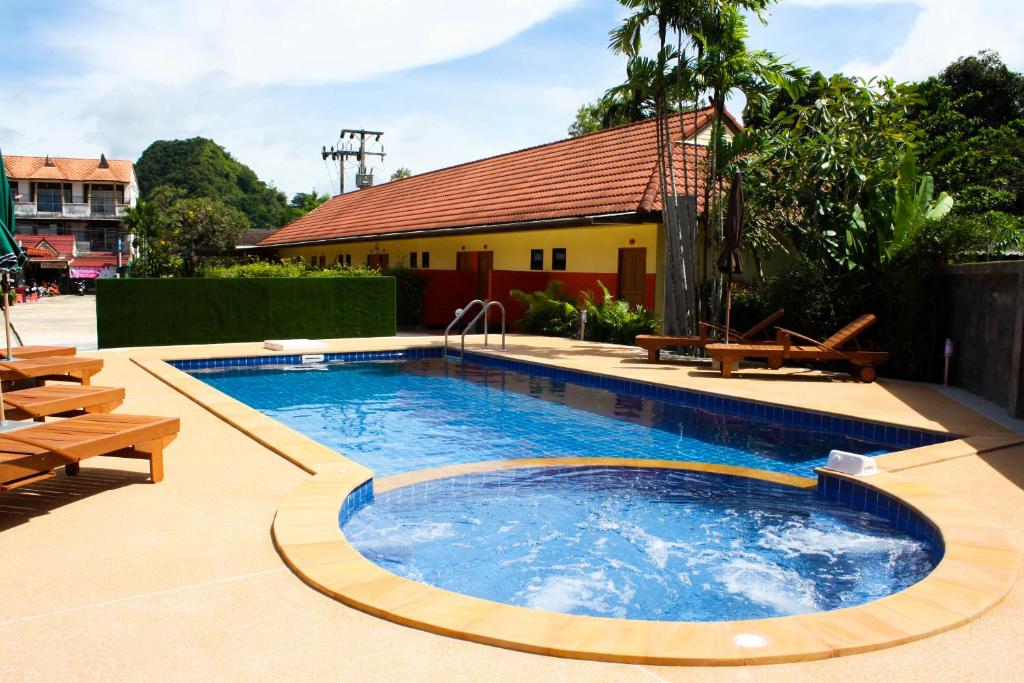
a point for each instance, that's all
(157, 312)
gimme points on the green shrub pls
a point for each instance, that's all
(550, 313)
(411, 286)
(614, 320)
(284, 268)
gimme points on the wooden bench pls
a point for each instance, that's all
(38, 351)
(710, 333)
(60, 368)
(728, 356)
(32, 454)
(60, 400)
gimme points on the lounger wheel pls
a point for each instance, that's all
(867, 374)
(72, 468)
(774, 363)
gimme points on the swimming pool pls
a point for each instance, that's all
(414, 413)
(639, 543)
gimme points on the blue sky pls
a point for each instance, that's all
(447, 81)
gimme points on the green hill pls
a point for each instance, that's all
(202, 168)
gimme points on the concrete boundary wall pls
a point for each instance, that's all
(983, 314)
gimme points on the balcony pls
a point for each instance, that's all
(79, 210)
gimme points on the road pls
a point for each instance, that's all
(66, 320)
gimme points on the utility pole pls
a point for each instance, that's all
(363, 179)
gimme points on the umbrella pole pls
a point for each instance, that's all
(7, 312)
(5, 283)
(728, 307)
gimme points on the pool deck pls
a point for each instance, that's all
(106, 577)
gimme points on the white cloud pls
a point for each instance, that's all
(946, 30)
(300, 42)
(126, 73)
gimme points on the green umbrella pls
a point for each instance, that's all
(12, 256)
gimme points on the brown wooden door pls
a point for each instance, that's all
(632, 275)
(484, 264)
(464, 260)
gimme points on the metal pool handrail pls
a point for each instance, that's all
(483, 312)
(459, 314)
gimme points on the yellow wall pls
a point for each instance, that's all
(590, 249)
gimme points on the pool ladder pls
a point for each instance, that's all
(460, 313)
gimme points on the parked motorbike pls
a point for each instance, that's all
(78, 287)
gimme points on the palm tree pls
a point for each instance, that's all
(708, 61)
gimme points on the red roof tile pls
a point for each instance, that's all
(609, 172)
(95, 259)
(63, 244)
(68, 169)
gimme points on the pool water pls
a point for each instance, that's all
(638, 543)
(401, 416)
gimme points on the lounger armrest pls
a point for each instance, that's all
(790, 333)
(704, 326)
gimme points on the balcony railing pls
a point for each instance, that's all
(95, 210)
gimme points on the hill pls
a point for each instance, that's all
(202, 168)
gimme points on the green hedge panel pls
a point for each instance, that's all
(157, 312)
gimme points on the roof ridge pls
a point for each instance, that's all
(604, 131)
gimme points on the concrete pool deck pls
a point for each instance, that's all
(106, 577)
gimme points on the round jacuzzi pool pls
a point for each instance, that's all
(638, 543)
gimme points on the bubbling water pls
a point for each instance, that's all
(638, 543)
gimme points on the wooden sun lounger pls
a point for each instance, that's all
(783, 349)
(60, 400)
(62, 368)
(31, 455)
(38, 351)
(710, 333)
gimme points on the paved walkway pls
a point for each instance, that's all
(66, 320)
(105, 577)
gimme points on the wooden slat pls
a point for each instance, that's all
(58, 399)
(38, 351)
(45, 367)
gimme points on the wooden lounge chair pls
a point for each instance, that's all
(31, 455)
(710, 333)
(38, 351)
(60, 400)
(63, 368)
(783, 349)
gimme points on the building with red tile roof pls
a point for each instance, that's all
(82, 199)
(581, 211)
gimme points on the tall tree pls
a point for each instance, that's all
(174, 231)
(971, 118)
(701, 56)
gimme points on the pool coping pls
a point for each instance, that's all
(977, 570)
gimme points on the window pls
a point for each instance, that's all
(425, 260)
(413, 260)
(348, 260)
(558, 259)
(323, 260)
(101, 200)
(49, 197)
(536, 259)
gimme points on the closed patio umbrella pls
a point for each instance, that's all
(730, 261)
(12, 257)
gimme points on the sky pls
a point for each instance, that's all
(447, 81)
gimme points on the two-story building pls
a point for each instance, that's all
(84, 198)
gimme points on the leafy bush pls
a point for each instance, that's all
(550, 313)
(410, 287)
(285, 268)
(614, 320)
